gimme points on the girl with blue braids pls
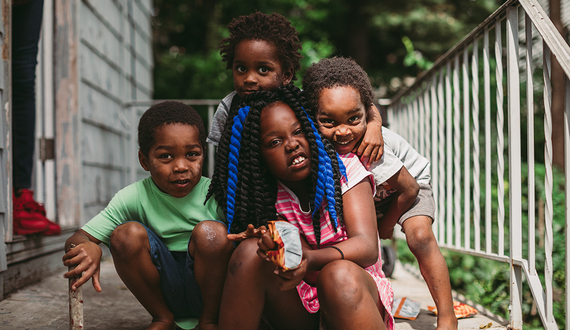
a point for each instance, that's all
(273, 165)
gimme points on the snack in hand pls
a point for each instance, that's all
(289, 252)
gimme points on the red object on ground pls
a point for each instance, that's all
(461, 310)
(29, 216)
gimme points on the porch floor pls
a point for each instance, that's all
(45, 305)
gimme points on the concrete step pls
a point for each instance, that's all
(44, 305)
(407, 282)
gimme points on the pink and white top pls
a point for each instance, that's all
(288, 206)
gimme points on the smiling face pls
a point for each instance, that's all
(256, 67)
(175, 159)
(284, 148)
(341, 117)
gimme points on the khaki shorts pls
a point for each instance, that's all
(423, 206)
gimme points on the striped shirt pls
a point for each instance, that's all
(288, 206)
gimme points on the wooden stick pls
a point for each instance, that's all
(75, 302)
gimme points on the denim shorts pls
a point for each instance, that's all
(177, 283)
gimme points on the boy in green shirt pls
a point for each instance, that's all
(172, 260)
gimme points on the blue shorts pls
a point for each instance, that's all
(177, 283)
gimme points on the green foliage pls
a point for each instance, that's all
(191, 76)
(486, 281)
(187, 33)
(415, 57)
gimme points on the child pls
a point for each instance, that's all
(263, 53)
(340, 91)
(278, 167)
(172, 261)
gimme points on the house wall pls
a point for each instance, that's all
(96, 134)
(5, 156)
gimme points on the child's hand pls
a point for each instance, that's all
(371, 147)
(286, 279)
(250, 232)
(289, 279)
(87, 257)
(265, 244)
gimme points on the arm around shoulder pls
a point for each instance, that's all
(360, 221)
(371, 147)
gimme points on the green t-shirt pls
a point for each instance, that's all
(171, 218)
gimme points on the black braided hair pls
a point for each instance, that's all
(221, 159)
(273, 28)
(249, 194)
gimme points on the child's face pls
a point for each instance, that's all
(341, 117)
(256, 67)
(284, 148)
(175, 159)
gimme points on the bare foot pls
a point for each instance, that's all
(161, 325)
(447, 324)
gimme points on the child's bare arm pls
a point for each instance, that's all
(83, 250)
(359, 217)
(371, 148)
(407, 189)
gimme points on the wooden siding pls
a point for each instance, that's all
(5, 150)
(114, 65)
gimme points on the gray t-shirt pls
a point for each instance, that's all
(397, 153)
(219, 120)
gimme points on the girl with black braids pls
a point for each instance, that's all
(278, 167)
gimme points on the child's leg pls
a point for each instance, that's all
(250, 291)
(211, 251)
(422, 243)
(130, 249)
(349, 297)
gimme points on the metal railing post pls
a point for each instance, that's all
(515, 186)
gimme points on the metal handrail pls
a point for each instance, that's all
(428, 114)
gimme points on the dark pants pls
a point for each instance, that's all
(26, 26)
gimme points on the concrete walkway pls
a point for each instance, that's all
(45, 305)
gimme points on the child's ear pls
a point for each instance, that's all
(287, 77)
(143, 161)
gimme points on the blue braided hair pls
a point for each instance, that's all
(235, 146)
(325, 183)
(242, 186)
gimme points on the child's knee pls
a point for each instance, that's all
(210, 236)
(420, 236)
(244, 258)
(339, 280)
(128, 236)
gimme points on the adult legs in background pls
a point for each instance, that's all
(26, 26)
(29, 216)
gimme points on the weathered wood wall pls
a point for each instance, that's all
(5, 155)
(113, 51)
